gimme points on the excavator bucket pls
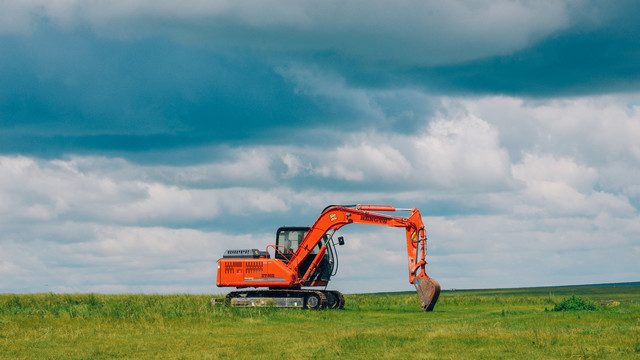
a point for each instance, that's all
(428, 289)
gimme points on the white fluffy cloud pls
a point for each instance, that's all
(560, 186)
(365, 162)
(120, 259)
(462, 152)
(599, 130)
(39, 190)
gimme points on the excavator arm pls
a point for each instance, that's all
(335, 217)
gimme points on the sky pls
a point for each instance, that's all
(140, 139)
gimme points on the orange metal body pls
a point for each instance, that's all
(274, 273)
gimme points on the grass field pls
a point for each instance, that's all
(478, 324)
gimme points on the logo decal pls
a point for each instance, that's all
(374, 219)
(333, 217)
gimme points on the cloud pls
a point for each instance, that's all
(407, 32)
(492, 205)
(560, 186)
(598, 130)
(159, 76)
(120, 260)
(133, 131)
(461, 150)
(526, 250)
(525, 48)
(443, 153)
(57, 190)
(362, 162)
(546, 168)
(576, 62)
(153, 94)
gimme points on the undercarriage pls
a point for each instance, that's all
(287, 298)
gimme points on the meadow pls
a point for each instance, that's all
(478, 324)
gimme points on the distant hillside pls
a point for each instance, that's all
(594, 290)
(634, 283)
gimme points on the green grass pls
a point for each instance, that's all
(480, 324)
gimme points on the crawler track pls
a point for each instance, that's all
(309, 299)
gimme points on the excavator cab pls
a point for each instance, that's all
(288, 238)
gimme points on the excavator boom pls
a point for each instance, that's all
(288, 271)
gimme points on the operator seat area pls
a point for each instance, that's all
(287, 240)
(290, 237)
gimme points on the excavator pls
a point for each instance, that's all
(305, 257)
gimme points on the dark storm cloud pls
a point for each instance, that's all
(72, 91)
(85, 78)
(570, 64)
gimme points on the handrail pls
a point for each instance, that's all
(275, 249)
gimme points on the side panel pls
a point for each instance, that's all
(254, 273)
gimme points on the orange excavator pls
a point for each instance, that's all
(306, 257)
